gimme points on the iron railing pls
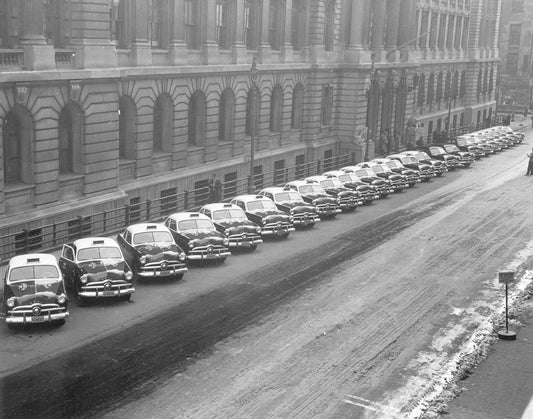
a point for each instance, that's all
(51, 236)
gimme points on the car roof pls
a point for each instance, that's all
(273, 190)
(220, 205)
(180, 216)
(300, 183)
(334, 173)
(143, 227)
(381, 160)
(316, 178)
(248, 198)
(94, 242)
(32, 259)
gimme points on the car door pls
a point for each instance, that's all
(67, 265)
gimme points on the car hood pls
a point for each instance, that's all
(234, 226)
(36, 291)
(297, 207)
(99, 270)
(321, 198)
(270, 215)
(159, 251)
(207, 236)
(340, 191)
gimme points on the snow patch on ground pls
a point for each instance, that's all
(444, 363)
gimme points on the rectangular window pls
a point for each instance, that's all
(135, 210)
(222, 30)
(190, 19)
(525, 64)
(280, 176)
(300, 166)
(512, 63)
(28, 240)
(250, 24)
(169, 201)
(518, 6)
(230, 185)
(329, 25)
(298, 24)
(328, 160)
(515, 30)
(275, 29)
(79, 228)
(258, 178)
(455, 121)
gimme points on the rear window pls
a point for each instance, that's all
(33, 272)
(92, 253)
(195, 225)
(152, 237)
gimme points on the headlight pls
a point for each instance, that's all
(225, 242)
(258, 230)
(142, 259)
(192, 243)
(11, 302)
(182, 257)
(315, 202)
(61, 299)
(129, 276)
(291, 212)
(291, 219)
(84, 278)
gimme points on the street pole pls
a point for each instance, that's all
(253, 84)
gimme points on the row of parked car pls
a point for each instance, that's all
(37, 286)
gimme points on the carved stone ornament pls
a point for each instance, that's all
(74, 90)
(21, 93)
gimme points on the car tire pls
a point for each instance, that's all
(253, 246)
(179, 277)
(80, 301)
(126, 297)
(10, 326)
(59, 323)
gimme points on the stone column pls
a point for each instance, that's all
(355, 53)
(238, 49)
(286, 47)
(38, 55)
(265, 51)
(393, 26)
(419, 29)
(437, 33)
(378, 29)
(406, 32)
(141, 53)
(178, 47)
(428, 29)
(210, 46)
(454, 34)
(92, 44)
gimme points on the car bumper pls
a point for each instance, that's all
(283, 231)
(307, 221)
(244, 243)
(209, 256)
(161, 273)
(106, 293)
(48, 318)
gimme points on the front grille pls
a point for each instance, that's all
(101, 286)
(277, 226)
(163, 265)
(27, 310)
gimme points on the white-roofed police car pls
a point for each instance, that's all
(95, 268)
(34, 291)
(151, 251)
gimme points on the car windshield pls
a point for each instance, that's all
(287, 196)
(409, 160)
(450, 148)
(152, 237)
(229, 213)
(422, 156)
(305, 189)
(261, 204)
(346, 178)
(331, 183)
(437, 151)
(107, 252)
(393, 164)
(195, 225)
(33, 272)
(378, 169)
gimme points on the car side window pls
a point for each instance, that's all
(240, 204)
(68, 253)
(127, 236)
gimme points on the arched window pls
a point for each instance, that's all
(127, 128)
(17, 134)
(70, 128)
(327, 105)
(226, 111)
(197, 114)
(163, 122)
(421, 89)
(251, 122)
(276, 106)
(7, 34)
(438, 95)
(448, 85)
(431, 88)
(297, 106)
(462, 87)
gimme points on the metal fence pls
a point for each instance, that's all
(49, 237)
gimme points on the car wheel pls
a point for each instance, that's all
(10, 326)
(179, 277)
(80, 301)
(59, 323)
(253, 246)
(126, 297)
(221, 260)
(385, 195)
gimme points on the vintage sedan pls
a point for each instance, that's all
(465, 157)
(438, 166)
(425, 171)
(151, 251)
(34, 291)
(196, 234)
(314, 194)
(231, 221)
(94, 268)
(397, 181)
(439, 153)
(469, 145)
(367, 175)
(412, 176)
(347, 198)
(264, 212)
(368, 193)
(291, 202)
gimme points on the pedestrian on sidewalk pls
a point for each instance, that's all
(530, 163)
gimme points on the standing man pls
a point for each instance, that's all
(215, 189)
(530, 163)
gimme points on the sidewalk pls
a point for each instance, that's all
(501, 386)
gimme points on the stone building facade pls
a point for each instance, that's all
(110, 102)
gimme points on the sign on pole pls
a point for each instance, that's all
(506, 277)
